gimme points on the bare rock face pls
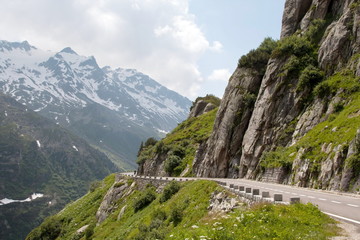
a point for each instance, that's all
(118, 190)
(277, 105)
(335, 49)
(293, 13)
(154, 166)
(222, 154)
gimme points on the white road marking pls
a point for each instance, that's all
(344, 218)
(302, 195)
(336, 202)
(322, 199)
(352, 205)
(311, 197)
(294, 193)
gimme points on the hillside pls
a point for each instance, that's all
(174, 154)
(122, 208)
(38, 156)
(290, 113)
(113, 109)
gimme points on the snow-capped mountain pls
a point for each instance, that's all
(114, 109)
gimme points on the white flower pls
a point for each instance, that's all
(171, 235)
(194, 226)
(235, 225)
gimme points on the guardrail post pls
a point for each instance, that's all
(294, 200)
(265, 194)
(278, 197)
(256, 192)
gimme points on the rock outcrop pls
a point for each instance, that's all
(201, 107)
(286, 102)
(284, 113)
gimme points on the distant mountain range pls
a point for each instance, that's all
(113, 109)
(39, 156)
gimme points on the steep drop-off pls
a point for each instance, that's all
(138, 209)
(38, 156)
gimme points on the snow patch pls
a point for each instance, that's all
(74, 147)
(6, 114)
(38, 143)
(29, 199)
(162, 131)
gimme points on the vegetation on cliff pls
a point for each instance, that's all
(180, 145)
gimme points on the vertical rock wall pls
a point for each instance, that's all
(242, 133)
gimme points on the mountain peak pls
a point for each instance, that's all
(15, 45)
(68, 50)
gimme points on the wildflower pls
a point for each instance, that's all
(194, 226)
(235, 225)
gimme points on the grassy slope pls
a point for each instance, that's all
(190, 204)
(187, 135)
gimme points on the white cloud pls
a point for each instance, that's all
(216, 46)
(220, 75)
(158, 37)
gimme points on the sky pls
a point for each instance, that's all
(189, 46)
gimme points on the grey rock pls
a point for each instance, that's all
(82, 229)
(201, 107)
(294, 11)
(335, 50)
(110, 198)
(221, 202)
(222, 154)
(121, 213)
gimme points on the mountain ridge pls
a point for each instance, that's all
(58, 85)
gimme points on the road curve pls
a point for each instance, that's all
(339, 205)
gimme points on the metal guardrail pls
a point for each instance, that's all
(249, 193)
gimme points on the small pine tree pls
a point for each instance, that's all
(140, 148)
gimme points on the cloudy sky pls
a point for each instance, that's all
(190, 46)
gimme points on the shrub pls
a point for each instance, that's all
(160, 147)
(309, 77)
(323, 90)
(159, 214)
(89, 231)
(150, 142)
(94, 185)
(258, 58)
(144, 199)
(178, 151)
(50, 229)
(277, 158)
(338, 107)
(176, 214)
(171, 163)
(170, 189)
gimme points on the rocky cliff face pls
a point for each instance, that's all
(302, 94)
